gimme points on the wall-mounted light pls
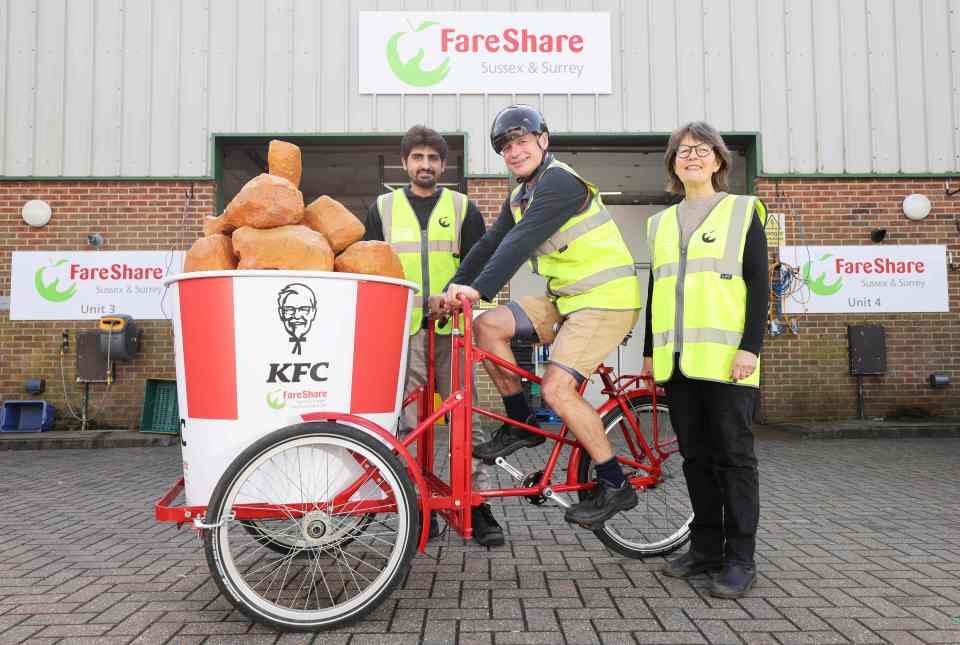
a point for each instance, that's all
(916, 206)
(36, 212)
(938, 380)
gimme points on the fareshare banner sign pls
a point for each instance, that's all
(858, 279)
(439, 52)
(83, 285)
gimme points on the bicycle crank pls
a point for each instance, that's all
(529, 481)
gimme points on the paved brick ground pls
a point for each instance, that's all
(860, 543)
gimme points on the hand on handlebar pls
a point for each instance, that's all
(438, 307)
(453, 293)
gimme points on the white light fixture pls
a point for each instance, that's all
(916, 206)
(36, 212)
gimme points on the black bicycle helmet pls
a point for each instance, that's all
(515, 121)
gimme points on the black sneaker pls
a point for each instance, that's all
(691, 564)
(486, 530)
(734, 580)
(434, 526)
(506, 440)
(601, 505)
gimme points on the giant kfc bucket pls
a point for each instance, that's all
(257, 350)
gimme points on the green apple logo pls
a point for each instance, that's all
(819, 286)
(410, 71)
(49, 291)
(275, 403)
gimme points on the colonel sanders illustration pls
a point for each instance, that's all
(297, 306)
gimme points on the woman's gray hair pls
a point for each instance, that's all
(702, 132)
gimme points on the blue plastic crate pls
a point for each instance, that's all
(546, 415)
(27, 416)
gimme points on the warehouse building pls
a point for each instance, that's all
(133, 119)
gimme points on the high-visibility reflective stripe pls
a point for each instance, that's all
(652, 233)
(459, 211)
(386, 213)
(699, 335)
(740, 217)
(418, 301)
(595, 280)
(666, 270)
(563, 238)
(415, 247)
(698, 265)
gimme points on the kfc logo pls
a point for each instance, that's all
(297, 307)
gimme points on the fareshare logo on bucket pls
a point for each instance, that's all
(856, 279)
(83, 285)
(293, 349)
(403, 52)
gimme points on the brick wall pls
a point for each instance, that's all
(489, 194)
(131, 216)
(807, 376)
(804, 376)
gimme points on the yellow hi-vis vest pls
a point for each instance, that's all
(700, 294)
(586, 263)
(430, 259)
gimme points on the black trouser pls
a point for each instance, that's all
(712, 421)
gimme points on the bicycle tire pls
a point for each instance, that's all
(240, 564)
(660, 523)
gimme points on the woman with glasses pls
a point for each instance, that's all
(707, 302)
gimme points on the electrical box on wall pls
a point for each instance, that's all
(91, 360)
(868, 349)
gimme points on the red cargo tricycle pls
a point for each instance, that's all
(313, 525)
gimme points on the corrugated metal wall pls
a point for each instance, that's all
(136, 87)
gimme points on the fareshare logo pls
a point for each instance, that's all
(49, 291)
(820, 286)
(410, 71)
(275, 399)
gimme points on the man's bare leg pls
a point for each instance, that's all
(492, 332)
(559, 390)
(494, 329)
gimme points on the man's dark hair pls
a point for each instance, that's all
(421, 135)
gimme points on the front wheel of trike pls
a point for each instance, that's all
(343, 507)
(660, 523)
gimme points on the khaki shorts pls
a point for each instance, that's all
(582, 340)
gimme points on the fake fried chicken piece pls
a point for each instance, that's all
(338, 225)
(211, 253)
(285, 247)
(370, 258)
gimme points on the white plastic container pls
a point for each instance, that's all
(257, 350)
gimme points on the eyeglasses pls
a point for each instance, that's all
(290, 312)
(702, 150)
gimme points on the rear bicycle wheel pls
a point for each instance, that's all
(660, 523)
(284, 538)
(341, 515)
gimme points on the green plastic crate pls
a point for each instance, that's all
(161, 413)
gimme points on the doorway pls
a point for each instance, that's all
(353, 169)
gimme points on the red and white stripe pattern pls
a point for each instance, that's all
(208, 328)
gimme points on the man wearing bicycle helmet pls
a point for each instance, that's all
(556, 220)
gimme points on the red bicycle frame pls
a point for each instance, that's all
(455, 498)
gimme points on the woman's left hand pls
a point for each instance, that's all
(744, 364)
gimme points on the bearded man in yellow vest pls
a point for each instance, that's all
(431, 228)
(707, 304)
(556, 220)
